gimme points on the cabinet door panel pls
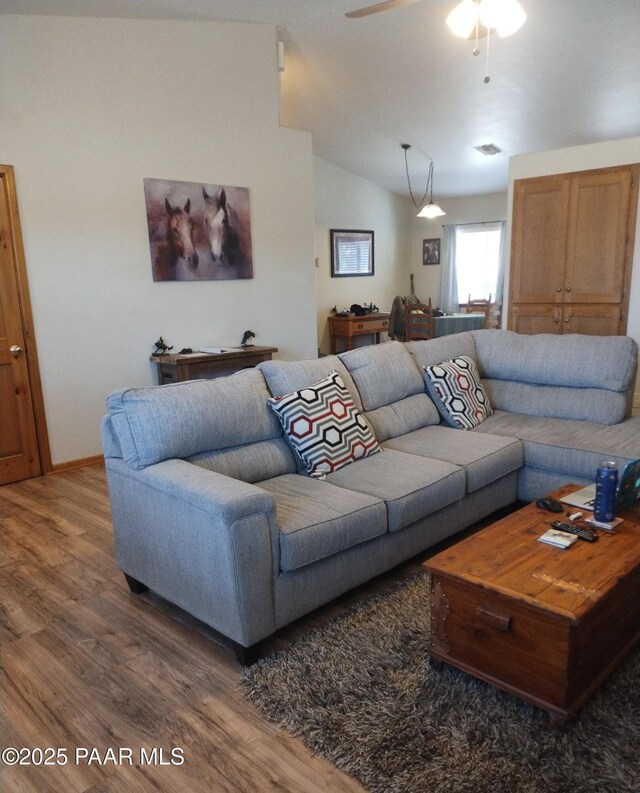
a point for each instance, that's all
(593, 320)
(598, 220)
(530, 319)
(538, 245)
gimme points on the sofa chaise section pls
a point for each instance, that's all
(567, 398)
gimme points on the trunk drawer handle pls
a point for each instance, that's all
(494, 618)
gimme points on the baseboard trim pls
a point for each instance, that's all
(80, 463)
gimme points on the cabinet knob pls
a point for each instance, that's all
(567, 289)
(566, 319)
(559, 289)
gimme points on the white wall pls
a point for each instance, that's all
(466, 209)
(88, 108)
(346, 201)
(583, 158)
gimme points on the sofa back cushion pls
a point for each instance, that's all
(284, 377)
(391, 389)
(185, 419)
(253, 462)
(586, 378)
(444, 348)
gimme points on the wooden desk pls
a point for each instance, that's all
(351, 326)
(177, 368)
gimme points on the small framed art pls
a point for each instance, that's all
(431, 251)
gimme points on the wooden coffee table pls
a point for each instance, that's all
(546, 624)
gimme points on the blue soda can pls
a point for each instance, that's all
(606, 484)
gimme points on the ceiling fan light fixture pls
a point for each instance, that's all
(431, 211)
(506, 16)
(462, 19)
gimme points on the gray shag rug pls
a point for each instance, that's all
(359, 691)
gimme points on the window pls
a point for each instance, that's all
(351, 252)
(477, 260)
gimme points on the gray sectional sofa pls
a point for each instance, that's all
(213, 511)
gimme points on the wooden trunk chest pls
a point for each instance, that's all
(546, 624)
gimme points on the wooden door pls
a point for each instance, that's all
(20, 454)
(530, 319)
(597, 236)
(538, 239)
(592, 319)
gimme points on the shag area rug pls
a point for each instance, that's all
(359, 691)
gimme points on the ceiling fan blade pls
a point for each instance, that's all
(375, 9)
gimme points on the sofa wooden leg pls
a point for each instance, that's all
(137, 587)
(247, 655)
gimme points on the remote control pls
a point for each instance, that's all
(584, 534)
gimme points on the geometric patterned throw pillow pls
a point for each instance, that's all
(459, 395)
(324, 426)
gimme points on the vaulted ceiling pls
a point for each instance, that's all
(569, 76)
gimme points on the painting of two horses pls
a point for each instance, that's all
(198, 231)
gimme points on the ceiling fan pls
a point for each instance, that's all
(377, 7)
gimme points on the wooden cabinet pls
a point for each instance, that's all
(571, 251)
(597, 319)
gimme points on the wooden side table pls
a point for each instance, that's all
(351, 326)
(177, 368)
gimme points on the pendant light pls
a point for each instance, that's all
(429, 210)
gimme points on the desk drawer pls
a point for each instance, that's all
(364, 325)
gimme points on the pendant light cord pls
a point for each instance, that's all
(418, 204)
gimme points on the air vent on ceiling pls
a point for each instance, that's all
(488, 149)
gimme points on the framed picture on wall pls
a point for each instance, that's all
(351, 253)
(431, 251)
(198, 231)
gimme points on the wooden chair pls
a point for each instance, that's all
(418, 321)
(493, 317)
(477, 306)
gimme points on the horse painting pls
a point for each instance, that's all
(225, 233)
(198, 231)
(180, 232)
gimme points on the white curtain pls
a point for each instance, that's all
(448, 298)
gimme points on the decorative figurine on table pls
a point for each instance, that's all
(161, 347)
(248, 334)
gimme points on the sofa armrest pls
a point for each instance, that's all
(204, 541)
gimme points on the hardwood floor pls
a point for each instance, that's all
(86, 664)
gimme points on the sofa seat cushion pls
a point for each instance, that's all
(571, 447)
(412, 487)
(316, 519)
(484, 457)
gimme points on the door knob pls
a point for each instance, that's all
(15, 350)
